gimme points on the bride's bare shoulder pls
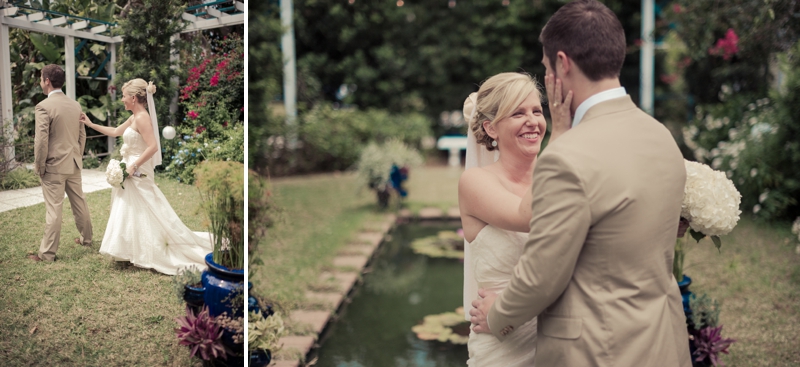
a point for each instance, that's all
(478, 178)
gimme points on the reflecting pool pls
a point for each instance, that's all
(399, 291)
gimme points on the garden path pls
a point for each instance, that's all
(93, 180)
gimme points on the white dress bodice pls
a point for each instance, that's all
(495, 252)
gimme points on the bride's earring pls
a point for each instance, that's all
(494, 143)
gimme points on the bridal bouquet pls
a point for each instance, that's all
(710, 205)
(116, 173)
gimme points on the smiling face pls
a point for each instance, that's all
(127, 99)
(522, 132)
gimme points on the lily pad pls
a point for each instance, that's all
(448, 327)
(447, 244)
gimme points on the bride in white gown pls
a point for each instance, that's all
(142, 226)
(506, 127)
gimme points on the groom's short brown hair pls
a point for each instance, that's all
(590, 34)
(56, 75)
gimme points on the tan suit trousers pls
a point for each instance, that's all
(54, 186)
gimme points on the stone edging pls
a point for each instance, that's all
(355, 255)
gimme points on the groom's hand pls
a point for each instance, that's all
(481, 307)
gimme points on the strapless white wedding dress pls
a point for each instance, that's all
(142, 226)
(494, 253)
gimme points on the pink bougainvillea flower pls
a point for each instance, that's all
(215, 80)
(669, 78)
(200, 129)
(677, 8)
(726, 46)
(225, 124)
(193, 115)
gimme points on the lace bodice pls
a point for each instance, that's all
(495, 253)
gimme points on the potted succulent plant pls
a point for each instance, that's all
(264, 331)
(201, 333)
(188, 287)
(384, 167)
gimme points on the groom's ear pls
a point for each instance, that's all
(563, 62)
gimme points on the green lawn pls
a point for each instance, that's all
(756, 277)
(82, 310)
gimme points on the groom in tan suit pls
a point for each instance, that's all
(58, 160)
(597, 267)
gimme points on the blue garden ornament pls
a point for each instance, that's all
(396, 178)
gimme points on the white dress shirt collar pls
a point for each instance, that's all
(54, 91)
(595, 99)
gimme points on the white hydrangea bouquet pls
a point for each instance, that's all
(116, 173)
(710, 206)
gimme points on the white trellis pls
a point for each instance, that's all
(21, 15)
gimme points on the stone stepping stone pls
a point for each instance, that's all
(332, 300)
(302, 344)
(405, 213)
(431, 213)
(317, 319)
(371, 238)
(356, 249)
(454, 212)
(276, 363)
(357, 262)
(346, 281)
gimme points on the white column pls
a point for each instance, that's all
(647, 57)
(289, 70)
(69, 68)
(111, 67)
(6, 102)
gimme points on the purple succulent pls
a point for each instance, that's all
(201, 333)
(709, 344)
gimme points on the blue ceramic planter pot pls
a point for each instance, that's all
(260, 358)
(193, 296)
(686, 294)
(221, 286)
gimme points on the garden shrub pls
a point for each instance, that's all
(332, 139)
(213, 103)
(756, 141)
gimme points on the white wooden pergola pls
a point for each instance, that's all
(20, 14)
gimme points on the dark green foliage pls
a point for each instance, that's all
(763, 28)
(756, 142)
(148, 27)
(265, 78)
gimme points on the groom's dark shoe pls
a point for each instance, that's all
(35, 258)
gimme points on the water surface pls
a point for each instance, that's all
(402, 288)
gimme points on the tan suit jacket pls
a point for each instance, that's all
(597, 267)
(58, 159)
(60, 136)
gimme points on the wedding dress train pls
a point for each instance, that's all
(142, 226)
(495, 252)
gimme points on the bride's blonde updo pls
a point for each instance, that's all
(497, 99)
(139, 88)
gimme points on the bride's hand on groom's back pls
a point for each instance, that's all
(560, 112)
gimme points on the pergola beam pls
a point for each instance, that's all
(59, 31)
(214, 23)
